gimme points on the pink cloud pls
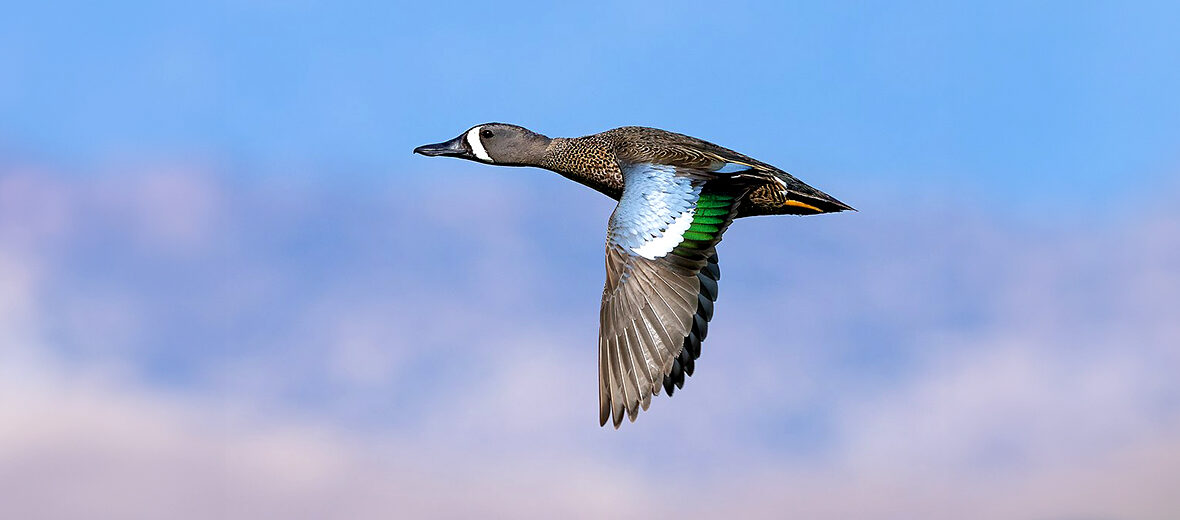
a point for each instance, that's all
(1055, 400)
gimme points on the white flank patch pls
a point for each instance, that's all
(477, 145)
(665, 243)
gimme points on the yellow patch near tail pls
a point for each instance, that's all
(802, 205)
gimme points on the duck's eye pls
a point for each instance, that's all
(486, 134)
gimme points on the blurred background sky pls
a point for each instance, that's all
(227, 288)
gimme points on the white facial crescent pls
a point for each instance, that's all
(477, 145)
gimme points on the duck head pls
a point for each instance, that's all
(492, 143)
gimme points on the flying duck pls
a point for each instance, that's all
(677, 195)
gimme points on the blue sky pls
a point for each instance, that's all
(1057, 101)
(226, 282)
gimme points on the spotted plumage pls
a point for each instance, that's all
(677, 196)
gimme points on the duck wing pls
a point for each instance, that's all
(661, 279)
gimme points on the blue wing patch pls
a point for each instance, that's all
(655, 210)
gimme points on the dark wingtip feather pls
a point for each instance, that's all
(693, 345)
(700, 326)
(704, 307)
(711, 269)
(708, 287)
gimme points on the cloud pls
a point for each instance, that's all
(92, 447)
(98, 450)
(311, 349)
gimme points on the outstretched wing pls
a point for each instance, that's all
(661, 281)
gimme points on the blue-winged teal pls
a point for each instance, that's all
(677, 195)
